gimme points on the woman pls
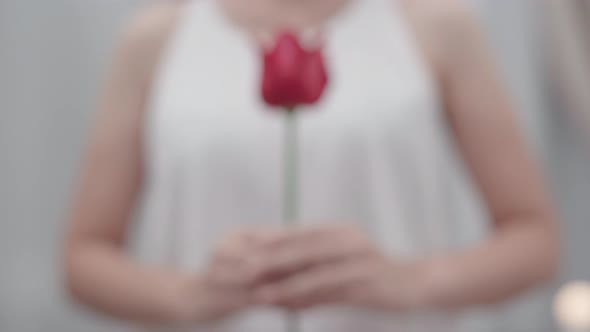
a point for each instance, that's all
(183, 134)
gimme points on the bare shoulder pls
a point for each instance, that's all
(437, 12)
(147, 33)
(155, 22)
(446, 29)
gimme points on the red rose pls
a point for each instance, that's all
(292, 75)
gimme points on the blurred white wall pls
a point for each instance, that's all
(52, 54)
(570, 57)
(514, 29)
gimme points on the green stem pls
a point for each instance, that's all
(291, 210)
(291, 188)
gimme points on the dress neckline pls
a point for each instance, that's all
(331, 23)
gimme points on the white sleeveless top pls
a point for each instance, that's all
(374, 151)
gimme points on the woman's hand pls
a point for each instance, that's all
(226, 286)
(335, 265)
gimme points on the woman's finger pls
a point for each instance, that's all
(309, 286)
(217, 302)
(313, 247)
(231, 276)
(237, 262)
(353, 293)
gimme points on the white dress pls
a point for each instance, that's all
(375, 151)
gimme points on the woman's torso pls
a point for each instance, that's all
(375, 152)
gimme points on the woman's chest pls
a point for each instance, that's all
(207, 98)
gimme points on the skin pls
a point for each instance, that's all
(307, 267)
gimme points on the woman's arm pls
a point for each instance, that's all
(523, 249)
(98, 272)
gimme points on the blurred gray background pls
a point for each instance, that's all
(52, 58)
